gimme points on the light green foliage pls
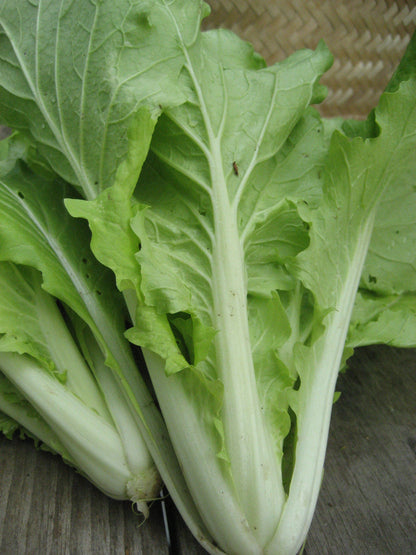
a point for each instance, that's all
(46, 250)
(239, 240)
(75, 75)
(389, 319)
(54, 396)
(261, 234)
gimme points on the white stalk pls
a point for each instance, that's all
(314, 418)
(66, 356)
(256, 474)
(209, 483)
(145, 483)
(90, 440)
(30, 420)
(175, 471)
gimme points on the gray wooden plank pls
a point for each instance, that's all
(368, 498)
(183, 543)
(46, 507)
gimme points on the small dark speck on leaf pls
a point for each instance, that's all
(235, 168)
(372, 279)
(20, 194)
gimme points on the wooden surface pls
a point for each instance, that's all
(367, 503)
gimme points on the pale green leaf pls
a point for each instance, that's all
(75, 76)
(389, 319)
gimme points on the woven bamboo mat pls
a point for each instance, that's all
(366, 37)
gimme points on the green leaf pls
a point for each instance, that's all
(57, 245)
(358, 171)
(22, 295)
(200, 215)
(239, 252)
(389, 319)
(76, 76)
(390, 267)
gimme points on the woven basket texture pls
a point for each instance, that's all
(367, 39)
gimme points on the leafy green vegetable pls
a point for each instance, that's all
(43, 82)
(39, 357)
(386, 304)
(273, 252)
(44, 351)
(239, 240)
(57, 245)
(78, 76)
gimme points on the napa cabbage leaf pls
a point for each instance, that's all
(239, 225)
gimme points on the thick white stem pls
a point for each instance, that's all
(66, 356)
(26, 417)
(315, 413)
(162, 447)
(90, 440)
(209, 483)
(146, 482)
(256, 474)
